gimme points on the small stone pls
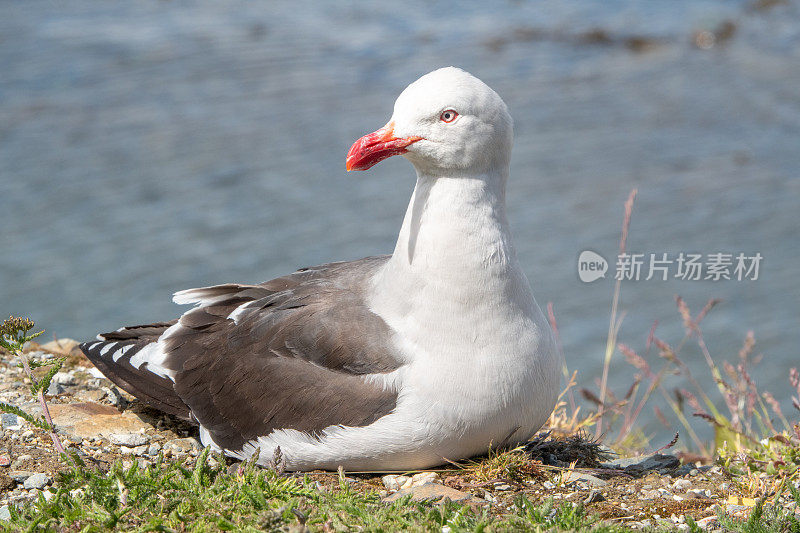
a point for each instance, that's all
(433, 492)
(114, 397)
(11, 421)
(60, 346)
(36, 481)
(20, 460)
(95, 373)
(663, 464)
(683, 527)
(587, 478)
(87, 419)
(502, 486)
(5, 460)
(19, 475)
(28, 433)
(5, 513)
(594, 496)
(128, 439)
(64, 378)
(682, 485)
(55, 389)
(694, 472)
(707, 522)
(153, 449)
(394, 481)
(139, 450)
(424, 477)
(548, 485)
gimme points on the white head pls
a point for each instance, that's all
(446, 122)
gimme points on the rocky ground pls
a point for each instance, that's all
(103, 425)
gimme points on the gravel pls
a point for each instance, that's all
(128, 439)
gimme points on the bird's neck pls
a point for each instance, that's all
(454, 258)
(454, 221)
(455, 237)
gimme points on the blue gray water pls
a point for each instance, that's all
(148, 147)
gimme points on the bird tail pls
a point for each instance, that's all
(132, 357)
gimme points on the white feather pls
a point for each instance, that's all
(119, 353)
(104, 350)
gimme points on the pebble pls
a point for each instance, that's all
(36, 481)
(20, 460)
(394, 481)
(502, 486)
(153, 449)
(548, 485)
(682, 485)
(114, 397)
(5, 460)
(5, 513)
(128, 439)
(54, 389)
(11, 421)
(589, 479)
(19, 475)
(64, 378)
(95, 373)
(707, 522)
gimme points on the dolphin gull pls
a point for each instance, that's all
(399, 362)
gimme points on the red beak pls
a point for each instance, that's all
(375, 147)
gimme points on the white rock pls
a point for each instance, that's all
(424, 477)
(11, 421)
(394, 481)
(682, 485)
(96, 373)
(64, 378)
(5, 513)
(128, 439)
(707, 522)
(36, 481)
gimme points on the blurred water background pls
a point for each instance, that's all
(148, 147)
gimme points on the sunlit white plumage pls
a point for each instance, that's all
(471, 358)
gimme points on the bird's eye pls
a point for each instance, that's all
(448, 115)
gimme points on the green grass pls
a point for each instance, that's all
(168, 497)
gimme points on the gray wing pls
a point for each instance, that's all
(290, 353)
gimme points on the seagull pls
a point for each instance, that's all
(434, 353)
